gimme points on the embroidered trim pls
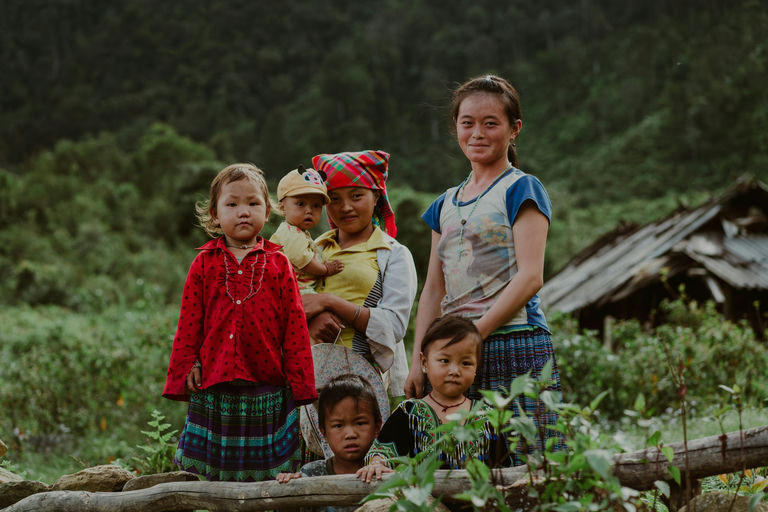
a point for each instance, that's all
(251, 291)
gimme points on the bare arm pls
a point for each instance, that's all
(316, 267)
(529, 233)
(429, 308)
(347, 312)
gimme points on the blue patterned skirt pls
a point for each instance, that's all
(508, 354)
(241, 433)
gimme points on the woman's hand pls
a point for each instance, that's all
(325, 327)
(414, 384)
(314, 304)
(194, 380)
(374, 470)
(286, 477)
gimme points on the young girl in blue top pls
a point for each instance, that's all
(488, 239)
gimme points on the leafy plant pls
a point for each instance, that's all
(159, 449)
(711, 351)
(410, 488)
(13, 468)
(576, 478)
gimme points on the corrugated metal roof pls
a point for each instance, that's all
(743, 264)
(621, 265)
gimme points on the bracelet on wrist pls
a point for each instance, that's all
(357, 315)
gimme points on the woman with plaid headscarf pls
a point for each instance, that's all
(367, 306)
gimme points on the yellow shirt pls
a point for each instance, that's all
(361, 269)
(300, 249)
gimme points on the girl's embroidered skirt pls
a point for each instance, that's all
(508, 354)
(240, 433)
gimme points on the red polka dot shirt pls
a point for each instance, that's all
(242, 321)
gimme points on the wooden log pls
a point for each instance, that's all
(707, 456)
(338, 490)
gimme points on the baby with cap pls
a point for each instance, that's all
(301, 195)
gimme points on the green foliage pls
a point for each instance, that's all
(13, 468)
(160, 448)
(619, 100)
(115, 220)
(69, 375)
(410, 488)
(576, 478)
(713, 351)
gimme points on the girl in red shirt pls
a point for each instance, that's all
(241, 352)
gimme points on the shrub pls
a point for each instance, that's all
(71, 375)
(713, 351)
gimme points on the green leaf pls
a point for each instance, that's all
(568, 506)
(675, 472)
(600, 461)
(754, 500)
(662, 486)
(497, 400)
(668, 452)
(654, 439)
(478, 501)
(526, 427)
(417, 495)
(550, 399)
(639, 403)
(519, 385)
(596, 401)
(558, 457)
(546, 371)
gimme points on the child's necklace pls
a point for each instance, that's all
(251, 291)
(446, 407)
(459, 196)
(243, 246)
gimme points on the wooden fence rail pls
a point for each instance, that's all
(706, 456)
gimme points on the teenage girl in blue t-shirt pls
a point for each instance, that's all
(487, 258)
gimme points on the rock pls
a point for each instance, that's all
(3, 448)
(145, 481)
(721, 502)
(106, 478)
(7, 476)
(11, 492)
(383, 505)
(516, 494)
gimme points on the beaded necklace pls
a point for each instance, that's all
(459, 195)
(251, 291)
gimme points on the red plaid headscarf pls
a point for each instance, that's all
(366, 169)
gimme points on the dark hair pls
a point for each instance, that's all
(490, 84)
(454, 329)
(339, 388)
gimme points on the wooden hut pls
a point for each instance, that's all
(718, 250)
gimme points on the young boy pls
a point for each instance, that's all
(350, 420)
(301, 195)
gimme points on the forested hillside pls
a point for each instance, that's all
(629, 108)
(650, 95)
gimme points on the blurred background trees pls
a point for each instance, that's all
(115, 115)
